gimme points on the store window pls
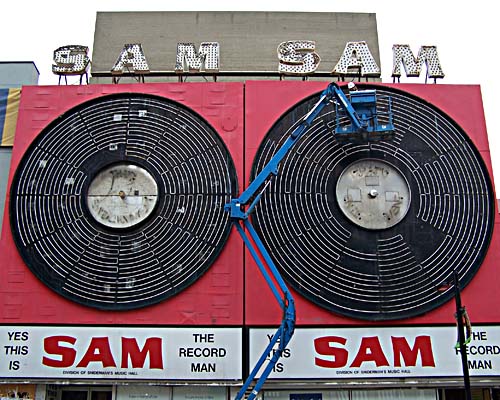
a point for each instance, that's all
(74, 395)
(142, 392)
(476, 393)
(306, 395)
(392, 394)
(86, 393)
(15, 391)
(395, 394)
(199, 393)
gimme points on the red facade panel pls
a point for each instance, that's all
(213, 299)
(232, 291)
(266, 102)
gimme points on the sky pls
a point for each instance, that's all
(466, 35)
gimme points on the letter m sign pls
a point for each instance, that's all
(402, 54)
(206, 59)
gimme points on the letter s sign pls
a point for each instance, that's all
(66, 355)
(71, 60)
(334, 357)
(297, 57)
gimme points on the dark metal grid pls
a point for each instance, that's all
(123, 269)
(386, 274)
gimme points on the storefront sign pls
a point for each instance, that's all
(395, 352)
(121, 353)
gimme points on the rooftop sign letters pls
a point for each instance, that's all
(188, 59)
(402, 55)
(71, 60)
(295, 58)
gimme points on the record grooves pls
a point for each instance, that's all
(376, 270)
(170, 170)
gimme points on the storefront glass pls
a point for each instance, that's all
(395, 394)
(138, 392)
(199, 393)
(16, 391)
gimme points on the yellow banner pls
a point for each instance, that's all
(9, 108)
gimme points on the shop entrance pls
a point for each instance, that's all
(86, 393)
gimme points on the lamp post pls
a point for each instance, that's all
(460, 310)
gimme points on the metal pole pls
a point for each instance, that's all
(461, 336)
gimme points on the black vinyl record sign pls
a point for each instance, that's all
(119, 203)
(370, 230)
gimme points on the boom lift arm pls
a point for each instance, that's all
(361, 111)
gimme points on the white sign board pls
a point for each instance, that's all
(392, 352)
(121, 353)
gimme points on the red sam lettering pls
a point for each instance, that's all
(67, 355)
(98, 351)
(370, 350)
(337, 357)
(138, 357)
(402, 350)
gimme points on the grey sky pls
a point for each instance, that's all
(465, 33)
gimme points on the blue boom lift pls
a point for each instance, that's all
(357, 118)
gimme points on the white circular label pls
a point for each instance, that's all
(122, 195)
(373, 194)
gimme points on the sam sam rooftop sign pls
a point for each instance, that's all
(294, 58)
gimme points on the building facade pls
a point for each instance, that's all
(124, 278)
